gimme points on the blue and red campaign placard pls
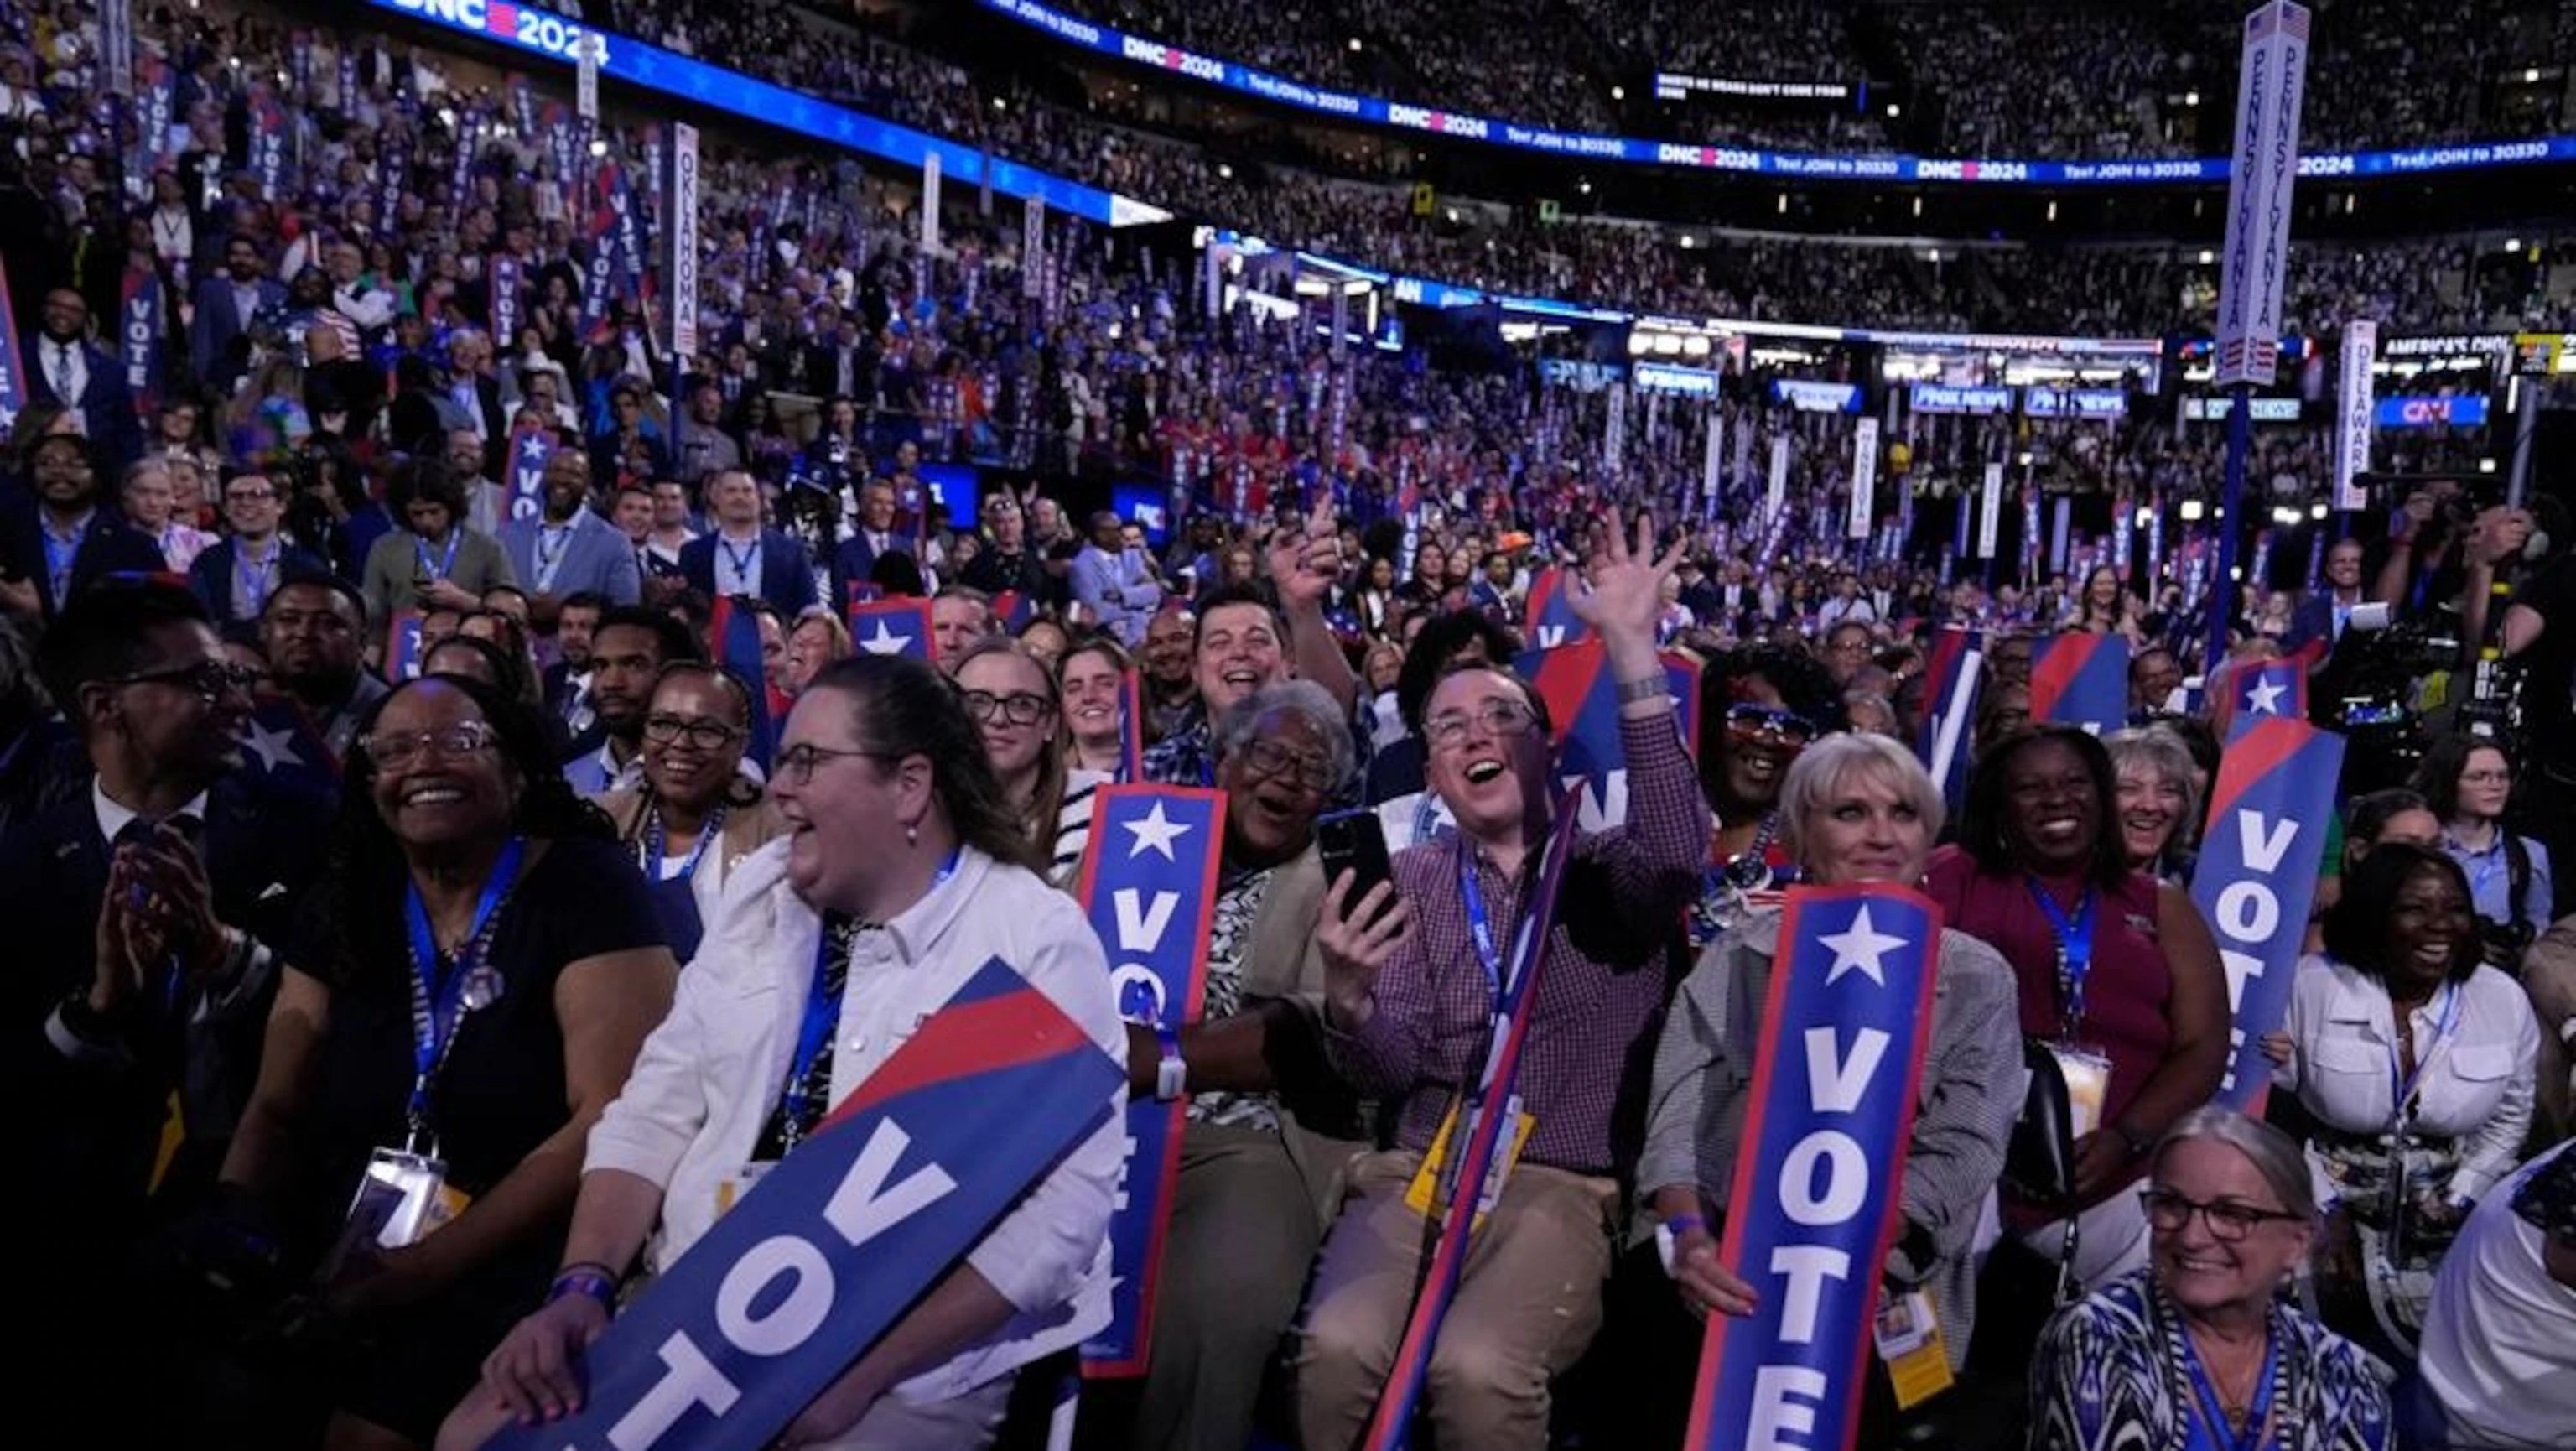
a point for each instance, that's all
(2259, 690)
(896, 626)
(1816, 1199)
(1583, 705)
(402, 646)
(2257, 877)
(833, 1245)
(2080, 680)
(1953, 677)
(1149, 882)
(1549, 620)
(529, 452)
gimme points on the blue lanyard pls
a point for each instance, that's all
(743, 573)
(816, 1028)
(2401, 1090)
(550, 561)
(420, 551)
(60, 556)
(439, 999)
(2214, 1417)
(1480, 931)
(708, 831)
(2074, 951)
(254, 587)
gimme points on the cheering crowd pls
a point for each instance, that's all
(469, 806)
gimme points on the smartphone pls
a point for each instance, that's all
(1353, 841)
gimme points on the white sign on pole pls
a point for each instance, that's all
(2353, 404)
(1990, 511)
(586, 77)
(116, 44)
(1864, 481)
(681, 227)
(930, 203)
(1775, 496)
(1708, 465)
(2272, 79)
(1614, 431)
(1033, 248)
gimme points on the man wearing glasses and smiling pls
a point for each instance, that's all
(234, 577)
(141, 913)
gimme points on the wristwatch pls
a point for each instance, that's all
(1172, 1074)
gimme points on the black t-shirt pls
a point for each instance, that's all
(501, 1091)
(2549, 694)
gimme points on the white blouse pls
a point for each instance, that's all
(2475, 1076)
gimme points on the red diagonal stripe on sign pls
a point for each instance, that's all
(964, 1039)
(2263, 749)
(1564, 680)
(2054, 673)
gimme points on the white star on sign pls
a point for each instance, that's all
(1859, 949)
(275, 749)
(884, 641)
(2264, 698)
(1156, 832)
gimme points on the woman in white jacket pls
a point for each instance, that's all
(900, 854)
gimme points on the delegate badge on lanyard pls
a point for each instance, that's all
(404, 1195)
(2087, 1069)
(1434, 1184)
(1911, 1345)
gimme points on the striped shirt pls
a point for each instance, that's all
(1073, 826)
(1599, 1004)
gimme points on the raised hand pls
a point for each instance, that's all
(1305, 561)
(1624, 600)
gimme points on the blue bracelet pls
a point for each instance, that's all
(583, 1282)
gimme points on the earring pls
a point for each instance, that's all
(912, 836)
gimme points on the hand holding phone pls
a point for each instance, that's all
(1355, 842)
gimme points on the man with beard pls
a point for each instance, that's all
(628, 649)
(143, 913)
(567, 681)
(234, 577)
(62, 542)
(226, 306)
(1759, 707)
(1170, 678)
(313, 632)
(65, 367)
(571, 550)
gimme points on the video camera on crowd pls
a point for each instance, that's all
(2372, 682)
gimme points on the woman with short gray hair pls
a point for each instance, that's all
(2200, 1349)
(2159, 801)
(1853, 808)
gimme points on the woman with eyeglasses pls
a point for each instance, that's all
(2117, 974)
(2198, 1350)
(468, 992)
(1093, 678)
(1270, 1126)
(901, 874)
(2415, 1063)
(697, 815)
(1855, 808)
(2468, 783)
(1759, 707)
(1012, 700)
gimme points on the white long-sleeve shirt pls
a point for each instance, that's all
(692, 1112)
(2476, 1080)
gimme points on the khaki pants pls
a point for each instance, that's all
(1528, 1302)
(1242, 1237)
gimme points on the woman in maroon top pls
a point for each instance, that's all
(2118, 975)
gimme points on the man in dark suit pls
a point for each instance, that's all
(63, 540)
(2326, 613)
(477, 395)
(855, 561)
(145, 915)
(234, 577)
(225, 306)
(742, 558)
(65, 367)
